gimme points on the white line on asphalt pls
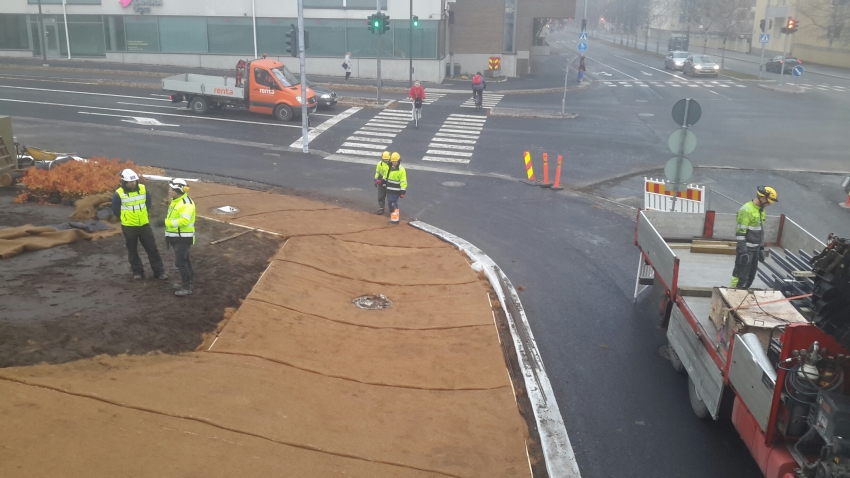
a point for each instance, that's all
(157, 94)
(375, 133)
(394, 113)
(448, 153)
(451, 146)
(383, 122)
(136, 119)
(479, 118)
(645, 73)
(321, 114)
(445, 160)
(51, 80)
(385, 129)
(151, 106)
(464, 120)
(432, 169)
(452, 135)
(364, 145)
(374, 140)
(611, 67)
(461, 126)
(449, 130)
(45, 103)
(81, 93)
(450, 140)
(359, 153)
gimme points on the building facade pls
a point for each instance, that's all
(217, 33)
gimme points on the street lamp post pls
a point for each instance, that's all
(410, 46)
(42, 35)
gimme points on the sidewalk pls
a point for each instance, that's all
(299, 381)
(151, 75)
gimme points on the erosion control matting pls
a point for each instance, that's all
(298, 382)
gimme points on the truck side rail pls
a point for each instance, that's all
(795, 238)
(656, 252)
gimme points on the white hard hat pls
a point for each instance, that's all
(178, 184)
(129, 175)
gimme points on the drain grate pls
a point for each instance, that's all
(372, 302)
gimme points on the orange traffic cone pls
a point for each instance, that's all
(394, 216)
(846, 204)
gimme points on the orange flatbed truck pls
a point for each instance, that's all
(268, 88)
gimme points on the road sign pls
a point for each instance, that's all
(764, 38)
(582, 36)
(684, 140)
(694, 113)
(797, 71)
(685, 173)
(582, 47)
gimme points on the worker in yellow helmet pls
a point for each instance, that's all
(381, 171)
(749, 235)
(396, 186)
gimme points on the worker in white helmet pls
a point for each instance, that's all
(180, 233)
(130, 203)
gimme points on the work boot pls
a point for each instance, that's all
(183, 292)
(162, 276)
(138, 276)
(179, 285)
(380, 211)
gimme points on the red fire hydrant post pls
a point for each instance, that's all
(557, 184)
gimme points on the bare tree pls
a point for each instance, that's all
(828, 17)
(727, 17)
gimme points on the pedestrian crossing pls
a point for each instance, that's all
(823, 87)
(488, 100)
(429, 98)
(674, 84)
(455, 141)
(376, 135)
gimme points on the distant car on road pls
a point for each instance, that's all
(775, 65)
(700, 65)
(675, 59)
(326, 97)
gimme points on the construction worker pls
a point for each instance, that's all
(180, 233)
(750, 237)
(381, 171)
(130, 203)
(396, 185)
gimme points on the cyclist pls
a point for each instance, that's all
(478, 87)
(417, 94)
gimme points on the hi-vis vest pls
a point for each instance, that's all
(382, 169)
(180, 221)
(133, 209)
(397, 180)
(749, 233)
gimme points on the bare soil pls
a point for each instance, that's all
(80, 300)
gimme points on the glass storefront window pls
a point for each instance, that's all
(230, 35)
(142, 33)
(86, 35)
(323, 3)
(68, 2)
(363, 44)
(327, 37)
(13, 32)
(183, 34)
(114, 32)
(424, 39)
(365, 4)
(271, 35)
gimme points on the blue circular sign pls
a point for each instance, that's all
(582, 46)
(797, 71)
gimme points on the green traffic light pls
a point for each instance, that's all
(377, 23)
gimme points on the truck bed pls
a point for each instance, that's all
(190, 83)
(698, 269)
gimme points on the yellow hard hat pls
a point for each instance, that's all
(395, 157)
(386, 155)
(769, 193)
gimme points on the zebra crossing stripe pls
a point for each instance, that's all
(394, 113)
(357, 152)
(375, 133)
(369, 127)
(445, 160)
(453, 135)
(477, 118)
(448, 130)
(364, 145)
(387, 124)
(451, 140)
(448, 153)
(462, 126)
(374, 140)
(450, 146)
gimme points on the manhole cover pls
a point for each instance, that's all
(373, 301)
(453, 184)
(225, 210)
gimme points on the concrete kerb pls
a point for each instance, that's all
(557, 449)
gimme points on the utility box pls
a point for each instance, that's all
(8, 155)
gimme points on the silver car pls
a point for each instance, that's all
(675, 60)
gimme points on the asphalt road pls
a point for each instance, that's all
(625, 408)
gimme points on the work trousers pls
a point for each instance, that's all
(746, 267)
(392, 199)
(184, 263)
(382, 196)
(133, 235)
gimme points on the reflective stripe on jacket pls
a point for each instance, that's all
(397, 180)
(382, 169)
(749, 232)
(180, 221)
(133, 209)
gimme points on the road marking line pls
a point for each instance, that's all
(445, 160)
(448, 153)
(147, 112)
(479, 118)
(382, 124)
(461, 126)
(326, 125)
(611, 67)
(364, 145)
(83, 93)
(381, 128)
(465, 121)
(452, 135)
(136, 119)
(645, 73)
(375, 133)
(394, 114)
(450, 140)
(740, 86)
(409, 166)
(449, 130)
(359, 153)
(390, 120)
(152, 106)
(451, 146)
(374, 140)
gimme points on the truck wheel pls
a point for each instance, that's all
(675, 360)
(199, 105)
(697, 405)
(283, 113)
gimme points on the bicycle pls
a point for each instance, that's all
(417, 112)
(478, 98)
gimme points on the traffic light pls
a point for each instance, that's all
(370, 22)
(761, 25)
(415, 21)
(292, 41)
(385, 23)
(792, 25)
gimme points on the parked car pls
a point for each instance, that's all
(700, 65)
(327, 98)
(675, 60)
(775, 65)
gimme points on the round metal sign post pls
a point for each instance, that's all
(797, 71)
(694, 112)
(682, 141)
(674, 170)
(582, 47)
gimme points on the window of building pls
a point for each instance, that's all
(183, 34)
(424, 39)
(327, 37)
(13, 32)
(142, 33)
(510, 26)
(271, 35)
(230, 35)
(86, 35)
(113, 26)
(324, 3)
(68, 2)
(363, 43)
(365, 4)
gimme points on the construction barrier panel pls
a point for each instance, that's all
(658, 195)
(529, 169)
(495, 63)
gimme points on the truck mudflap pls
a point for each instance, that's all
(706, 376)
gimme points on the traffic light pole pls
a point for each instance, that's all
(782, 70)
(410, 46)
(305, 120)
(761, 62)
(380, 34)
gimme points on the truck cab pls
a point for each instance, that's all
(270, 88)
